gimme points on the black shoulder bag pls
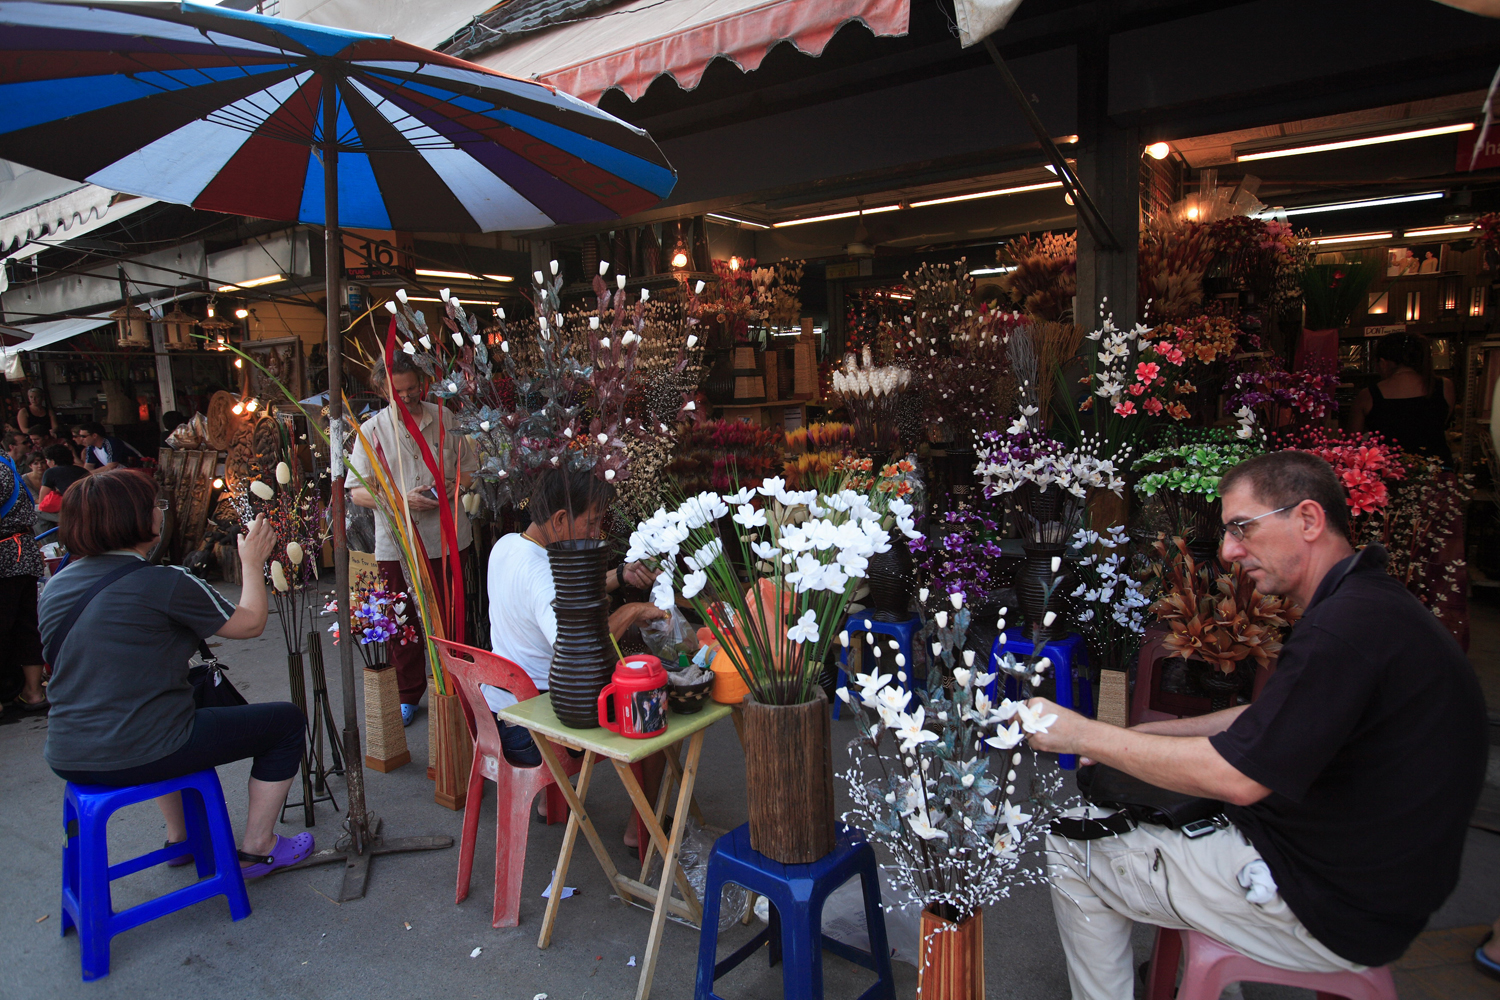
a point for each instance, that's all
(1103, 785)
(211, 689)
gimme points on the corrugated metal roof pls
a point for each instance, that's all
(512, 19)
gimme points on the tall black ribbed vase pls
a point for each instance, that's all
(1031, 583)
(581, 659)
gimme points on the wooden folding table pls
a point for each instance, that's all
(537, 716)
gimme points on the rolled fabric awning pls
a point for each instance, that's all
(645, 39)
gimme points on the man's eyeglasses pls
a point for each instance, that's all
(1237, 528)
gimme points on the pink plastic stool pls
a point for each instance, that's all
(1212, 966)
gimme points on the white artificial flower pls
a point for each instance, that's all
(748, 516)
(283, 473)
(620, 282)
(942, 619)
(693, 583)
(912, 732)
(773, 486)
(409, 347)
(922, 828)
(957, 599)
(1032, 721)
(968, 657)
(1049, 618)
(806, 629)
(1005, 739)
(922, 595)
(869, 687)
(962, 677)
(764, 550)
(692, 341)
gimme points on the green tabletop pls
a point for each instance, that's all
(536, 715)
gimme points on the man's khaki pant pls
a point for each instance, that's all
(1154, 875)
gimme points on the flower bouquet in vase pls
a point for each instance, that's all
(1185, 479)
(807, 553)
(938, 783)
(377, 617)
(1046, 486)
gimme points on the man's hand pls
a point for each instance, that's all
(421, 500)
(256, 544)
(628, 616)
(1064, 735)
(640, 576)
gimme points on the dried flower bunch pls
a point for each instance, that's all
(1217, 617)
(294, 509)
(869, 393)
(1418, 528)
(955, 347)
(1045, 278)
(778, 294)
(1174, 256)
(715, 454)
(926, 783)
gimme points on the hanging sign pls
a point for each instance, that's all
(372, 254)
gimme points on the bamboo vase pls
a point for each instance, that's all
(385, 737)
(952, 966)
(789, 779)
(449, 733)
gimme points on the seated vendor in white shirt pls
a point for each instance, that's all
(523, 625)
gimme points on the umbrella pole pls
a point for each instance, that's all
(363, 840)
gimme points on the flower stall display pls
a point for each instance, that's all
(712, 455)
(1366, 466)
(1218, 620)
(935, 779)
(1045, 275)
(1277, 396)
(815, 453)
(963, 554)
(807, 553)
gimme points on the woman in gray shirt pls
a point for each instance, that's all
(122, 705)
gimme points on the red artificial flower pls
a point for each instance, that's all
(1147, 371)
(1153, 406)
(1137, 389)
(1126, 408)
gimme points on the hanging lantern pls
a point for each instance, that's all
(131, 328)
(179, 329)
(217, 330)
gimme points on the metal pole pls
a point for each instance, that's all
(333, 259)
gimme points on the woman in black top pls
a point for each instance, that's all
(1407, 406)
(37, 413)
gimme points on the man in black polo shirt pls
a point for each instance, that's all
(1348, 783)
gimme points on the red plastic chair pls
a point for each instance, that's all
(516, 787)
(1211, 966)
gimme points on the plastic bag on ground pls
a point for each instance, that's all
(844, 919)
(697, 845)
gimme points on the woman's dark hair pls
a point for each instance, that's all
(574, 491)
(401, 364)
(107, 511)
(59, 453)
(1408, 350)
(171, 420)
(1285, 478)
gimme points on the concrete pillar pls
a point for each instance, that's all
(1109, 165)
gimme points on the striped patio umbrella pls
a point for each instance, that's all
(253, 115)
(225, 110)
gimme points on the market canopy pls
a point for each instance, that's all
(631, 45)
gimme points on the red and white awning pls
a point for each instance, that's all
(631, 45)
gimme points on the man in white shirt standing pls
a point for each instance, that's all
(523, 624)
(403, 457)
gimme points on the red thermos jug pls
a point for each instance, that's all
(634, 702)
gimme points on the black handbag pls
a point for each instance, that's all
(211, 689)
(1103, 785)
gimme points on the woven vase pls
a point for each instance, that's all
(385, 737)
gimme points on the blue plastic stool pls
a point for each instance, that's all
(903, 632)
(87, 872)
(1064, 653)
(796, 894)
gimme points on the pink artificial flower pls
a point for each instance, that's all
(1126, 408)
(1147, 372)
(1136, 389)
(1153, 406)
